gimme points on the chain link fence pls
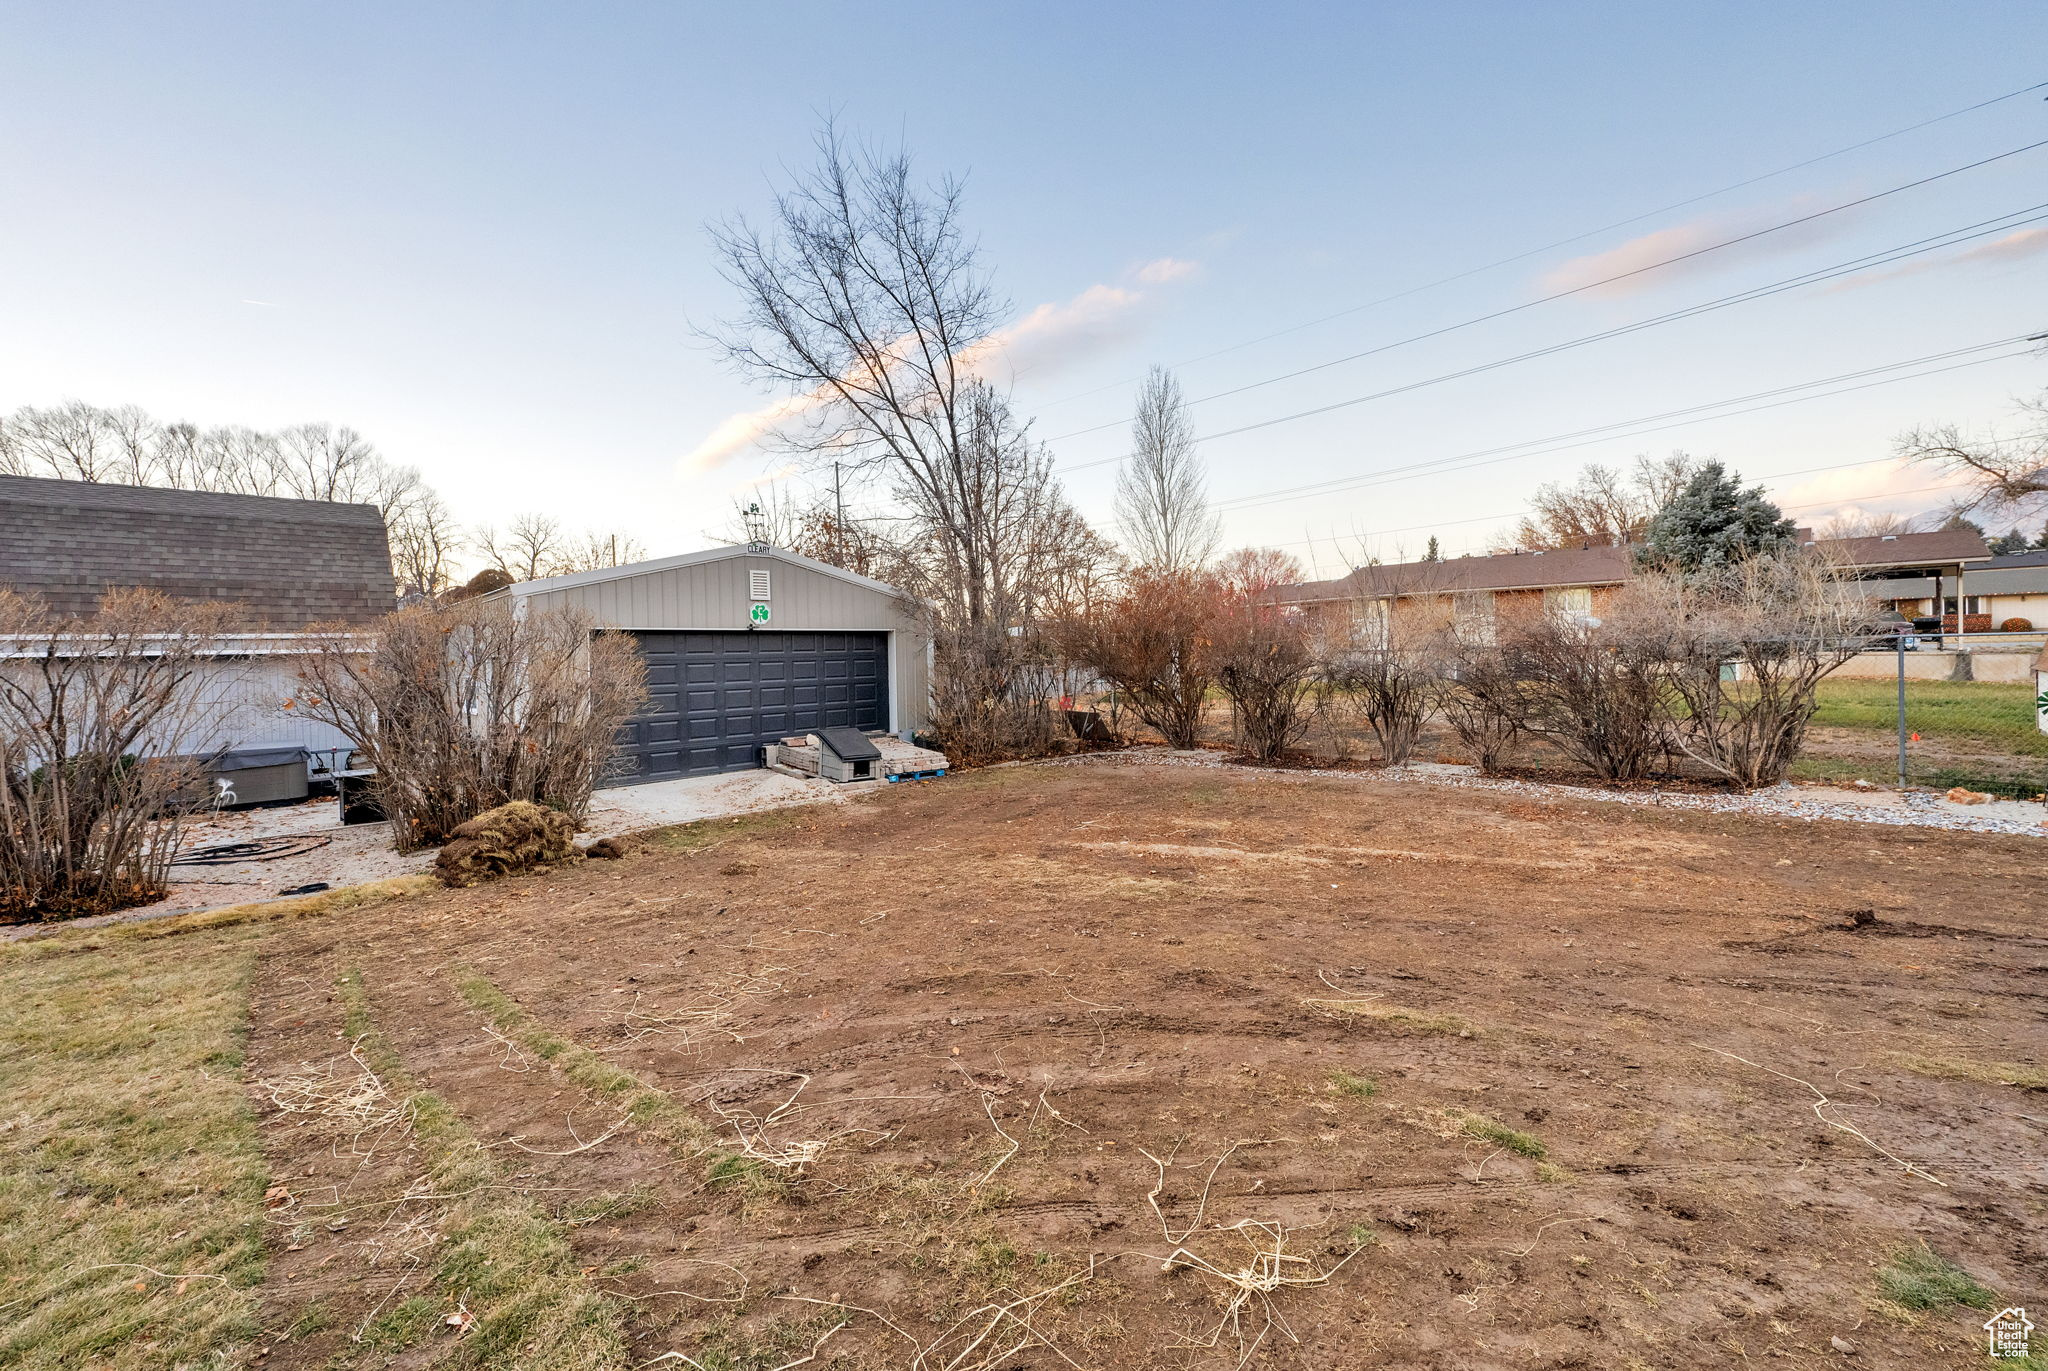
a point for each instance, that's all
(1943, 711)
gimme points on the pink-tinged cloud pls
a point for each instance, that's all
(1160, 271)
(1050, 337)
(2013, 247)
(1893, 487)
(1636, 261)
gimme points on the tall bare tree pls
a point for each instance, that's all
(1162, 499)
(76, 441)
(1602, 507)
(863, 295)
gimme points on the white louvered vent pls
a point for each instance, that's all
(757, 584)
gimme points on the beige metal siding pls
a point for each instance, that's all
(714, 595)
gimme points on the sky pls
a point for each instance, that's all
(477, 234)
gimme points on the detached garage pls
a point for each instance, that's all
(748, 645)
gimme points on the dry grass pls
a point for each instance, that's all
(501, 1259)
(131, 1177)
(227, 916)
(1983, 1073)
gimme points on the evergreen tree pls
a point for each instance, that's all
(1433, 555)
(2009, 542)
(1714, 523)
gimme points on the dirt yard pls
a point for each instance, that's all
(1113, 1065)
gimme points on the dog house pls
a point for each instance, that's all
(847, 754)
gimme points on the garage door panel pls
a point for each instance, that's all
(716, 698)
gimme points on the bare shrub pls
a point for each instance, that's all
(1384, 666)
(1596, 689)
(1481, 700)
(1149, 639)
(1262, 660)
(989, 690)
(1746, 651)
(468, 706)
(93, 715)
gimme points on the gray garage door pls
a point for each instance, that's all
(715, 699)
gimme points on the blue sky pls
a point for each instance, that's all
(475, 232)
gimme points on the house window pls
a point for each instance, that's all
(1972, 604)
(1574, 602)
(1369, 622)
(1472, 612)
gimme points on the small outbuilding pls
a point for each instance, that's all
(748, 645)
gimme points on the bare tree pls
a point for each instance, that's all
(76, 441)
(863, 296)
(532, 548)
(465, 707)
(1263, 663)
(424, 543)
(2003, 470)
(597, 550)
(1861, 525)
(1256, 570)
(1162, 500)
(94, 714)
(1602, 507)
(1150, 639)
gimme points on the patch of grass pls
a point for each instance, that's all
(507, 1262)
(611, 1205)
(1500, 1135)
(748, 1176)
(724, 1346)
(1361, 1235)
(65, 941)
(1357, 1087)
(131, 1173)
(402, 1325)
(1920, 1278)
(1550, 1173)
(1984, 1073)
(656, 1111)
(1418, 1020)
(705, 833)
(316, 1317)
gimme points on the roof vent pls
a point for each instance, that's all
(757, 585)
(1887, 537)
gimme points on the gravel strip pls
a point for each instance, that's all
(1921, 809)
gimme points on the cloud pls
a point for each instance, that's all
(2014, 247)
(1681, 239)
(1161, 270)
(1049, 338)
(1894, 487)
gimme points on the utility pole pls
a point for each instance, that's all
(838, 519)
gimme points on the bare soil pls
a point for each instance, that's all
(1345, 1010)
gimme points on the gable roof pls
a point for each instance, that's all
(573, 579)
(1599, 566)
(289, 563)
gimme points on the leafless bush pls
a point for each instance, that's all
(1481, 700)
(1263, 662)
(1596, 689)
(1746, 652)
(1385, 667)
(989, 690)
(93, 713)
(465, 707)
(1150, 640)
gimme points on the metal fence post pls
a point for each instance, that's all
(1899, 641)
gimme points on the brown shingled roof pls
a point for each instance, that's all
(289, 563)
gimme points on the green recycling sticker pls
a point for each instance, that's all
(759, 614)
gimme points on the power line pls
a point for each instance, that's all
(1949, 238)
(1577, 237)
(1590, 285)
(1608, 432)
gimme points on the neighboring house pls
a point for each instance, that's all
(1583, 580)
(1996, 593)
(746, 645)
(288, 565)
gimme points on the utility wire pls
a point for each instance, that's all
(1590, 285)
(1949, 238)
(1577, 237)
(1693, 415)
